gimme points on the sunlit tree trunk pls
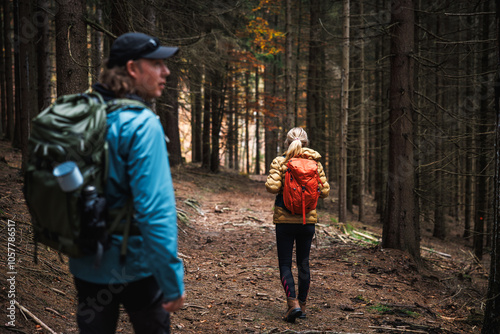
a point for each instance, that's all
(257, 122)
(247, 120)
(206, 121)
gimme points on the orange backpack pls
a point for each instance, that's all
(301, 190)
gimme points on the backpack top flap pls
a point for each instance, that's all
(70, 129)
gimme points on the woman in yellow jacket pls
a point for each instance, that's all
(290, 227)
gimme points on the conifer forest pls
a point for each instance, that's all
(400, 97)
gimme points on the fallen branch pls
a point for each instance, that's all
(398, 329)
(435, 252)
(58, 291)
(366, 236)
(40, 322)
(55, 312)
(194, 306)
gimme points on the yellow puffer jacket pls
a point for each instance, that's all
(276, 180)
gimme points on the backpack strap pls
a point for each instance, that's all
(124, 212)
(116, 104)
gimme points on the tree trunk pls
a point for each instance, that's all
(470, 156)
(297, 89)
(3, 91)
(380, 140)
(119, 15)
(481, 205)
(170, 118)
(236, 126)
(206, 122)
(289, 116)
(439, 222)
(230, 119)
(217, 115)
(401, 228)
(270, 122)
(362, 123)
(71, 46)
(16, 142)
(44, 47)
(196, 136)
(9, 78)
(97, 51)
(344, 96)
(247, 120)
(28, 88)
(491, 322)
(257, 122)
(314, 75)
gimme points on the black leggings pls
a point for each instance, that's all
(99, 307)
(286, 234)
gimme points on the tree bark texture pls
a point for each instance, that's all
(344, 110)
(44, 48)
(491, 323)
(25, 40)
(289, 116)
(71, 48)
(401, 228)
(9, 77)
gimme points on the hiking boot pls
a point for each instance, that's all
(293, 311)
(303, 309)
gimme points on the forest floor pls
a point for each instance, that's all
(232, 281)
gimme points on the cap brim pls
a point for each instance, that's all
(163, 52)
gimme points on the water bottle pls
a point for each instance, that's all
(93, 220)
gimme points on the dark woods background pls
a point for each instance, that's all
(397, 96)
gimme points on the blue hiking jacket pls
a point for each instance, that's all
(138, 166)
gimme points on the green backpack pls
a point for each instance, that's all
(73, 128)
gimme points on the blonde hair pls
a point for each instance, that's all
(296, 139)
(117, 80)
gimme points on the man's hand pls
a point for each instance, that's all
(174, 305)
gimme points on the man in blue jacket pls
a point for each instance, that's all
(149, 282)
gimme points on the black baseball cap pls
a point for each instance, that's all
(136, 45)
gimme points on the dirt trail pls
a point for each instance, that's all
(226, 240)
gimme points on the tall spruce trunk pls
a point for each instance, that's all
(362, 124)
(257, 122)
(27, 75)
(344, 101)
(71, 48)
(206, 121)
(9, 78)
(481, 205)
(44, 65)
(400, 227)
(491, 322)
(289, 116)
